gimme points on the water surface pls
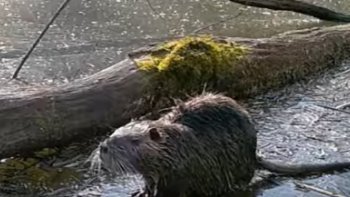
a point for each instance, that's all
(92, 35)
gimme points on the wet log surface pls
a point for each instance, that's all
(31, 119)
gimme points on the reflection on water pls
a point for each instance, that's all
(126, 25)
(92, 35)
(295, 128)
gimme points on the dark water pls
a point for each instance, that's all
(92, 35)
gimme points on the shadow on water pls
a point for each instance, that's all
(92, 35)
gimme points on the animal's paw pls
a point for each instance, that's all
(139, 193)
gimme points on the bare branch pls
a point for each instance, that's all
(316, 189)
(64, 4)
(299, 7)
(219, 22)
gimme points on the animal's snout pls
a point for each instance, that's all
(103, 147)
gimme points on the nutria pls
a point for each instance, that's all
(203, 147)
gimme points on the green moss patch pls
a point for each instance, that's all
(188, 65)
(45, 153)
(35, 174)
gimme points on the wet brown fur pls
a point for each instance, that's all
(203, 147)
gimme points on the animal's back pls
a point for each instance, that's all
(216, 153)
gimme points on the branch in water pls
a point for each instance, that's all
(299, 7)
(64, 4)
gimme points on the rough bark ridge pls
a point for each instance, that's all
(45, 117)
(298, 6)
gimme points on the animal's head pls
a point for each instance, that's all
(123, 151)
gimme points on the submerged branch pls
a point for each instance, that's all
(299, 7)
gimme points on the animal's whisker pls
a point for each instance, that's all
(96, 168)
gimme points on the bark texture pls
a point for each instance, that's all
(31, 119)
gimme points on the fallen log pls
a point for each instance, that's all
(299, 7)
(31, 119)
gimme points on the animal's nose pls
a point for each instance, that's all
(103, 147)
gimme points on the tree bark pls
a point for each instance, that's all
(31, 119)
(298, 6)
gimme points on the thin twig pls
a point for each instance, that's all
(64, 4)
(216, 23)
(332, 108)
(316, 189)
(345, 105)
(154, 10)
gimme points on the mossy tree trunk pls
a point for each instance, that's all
(31, 119)
(299, 7)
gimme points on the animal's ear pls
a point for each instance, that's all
(154, 134)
